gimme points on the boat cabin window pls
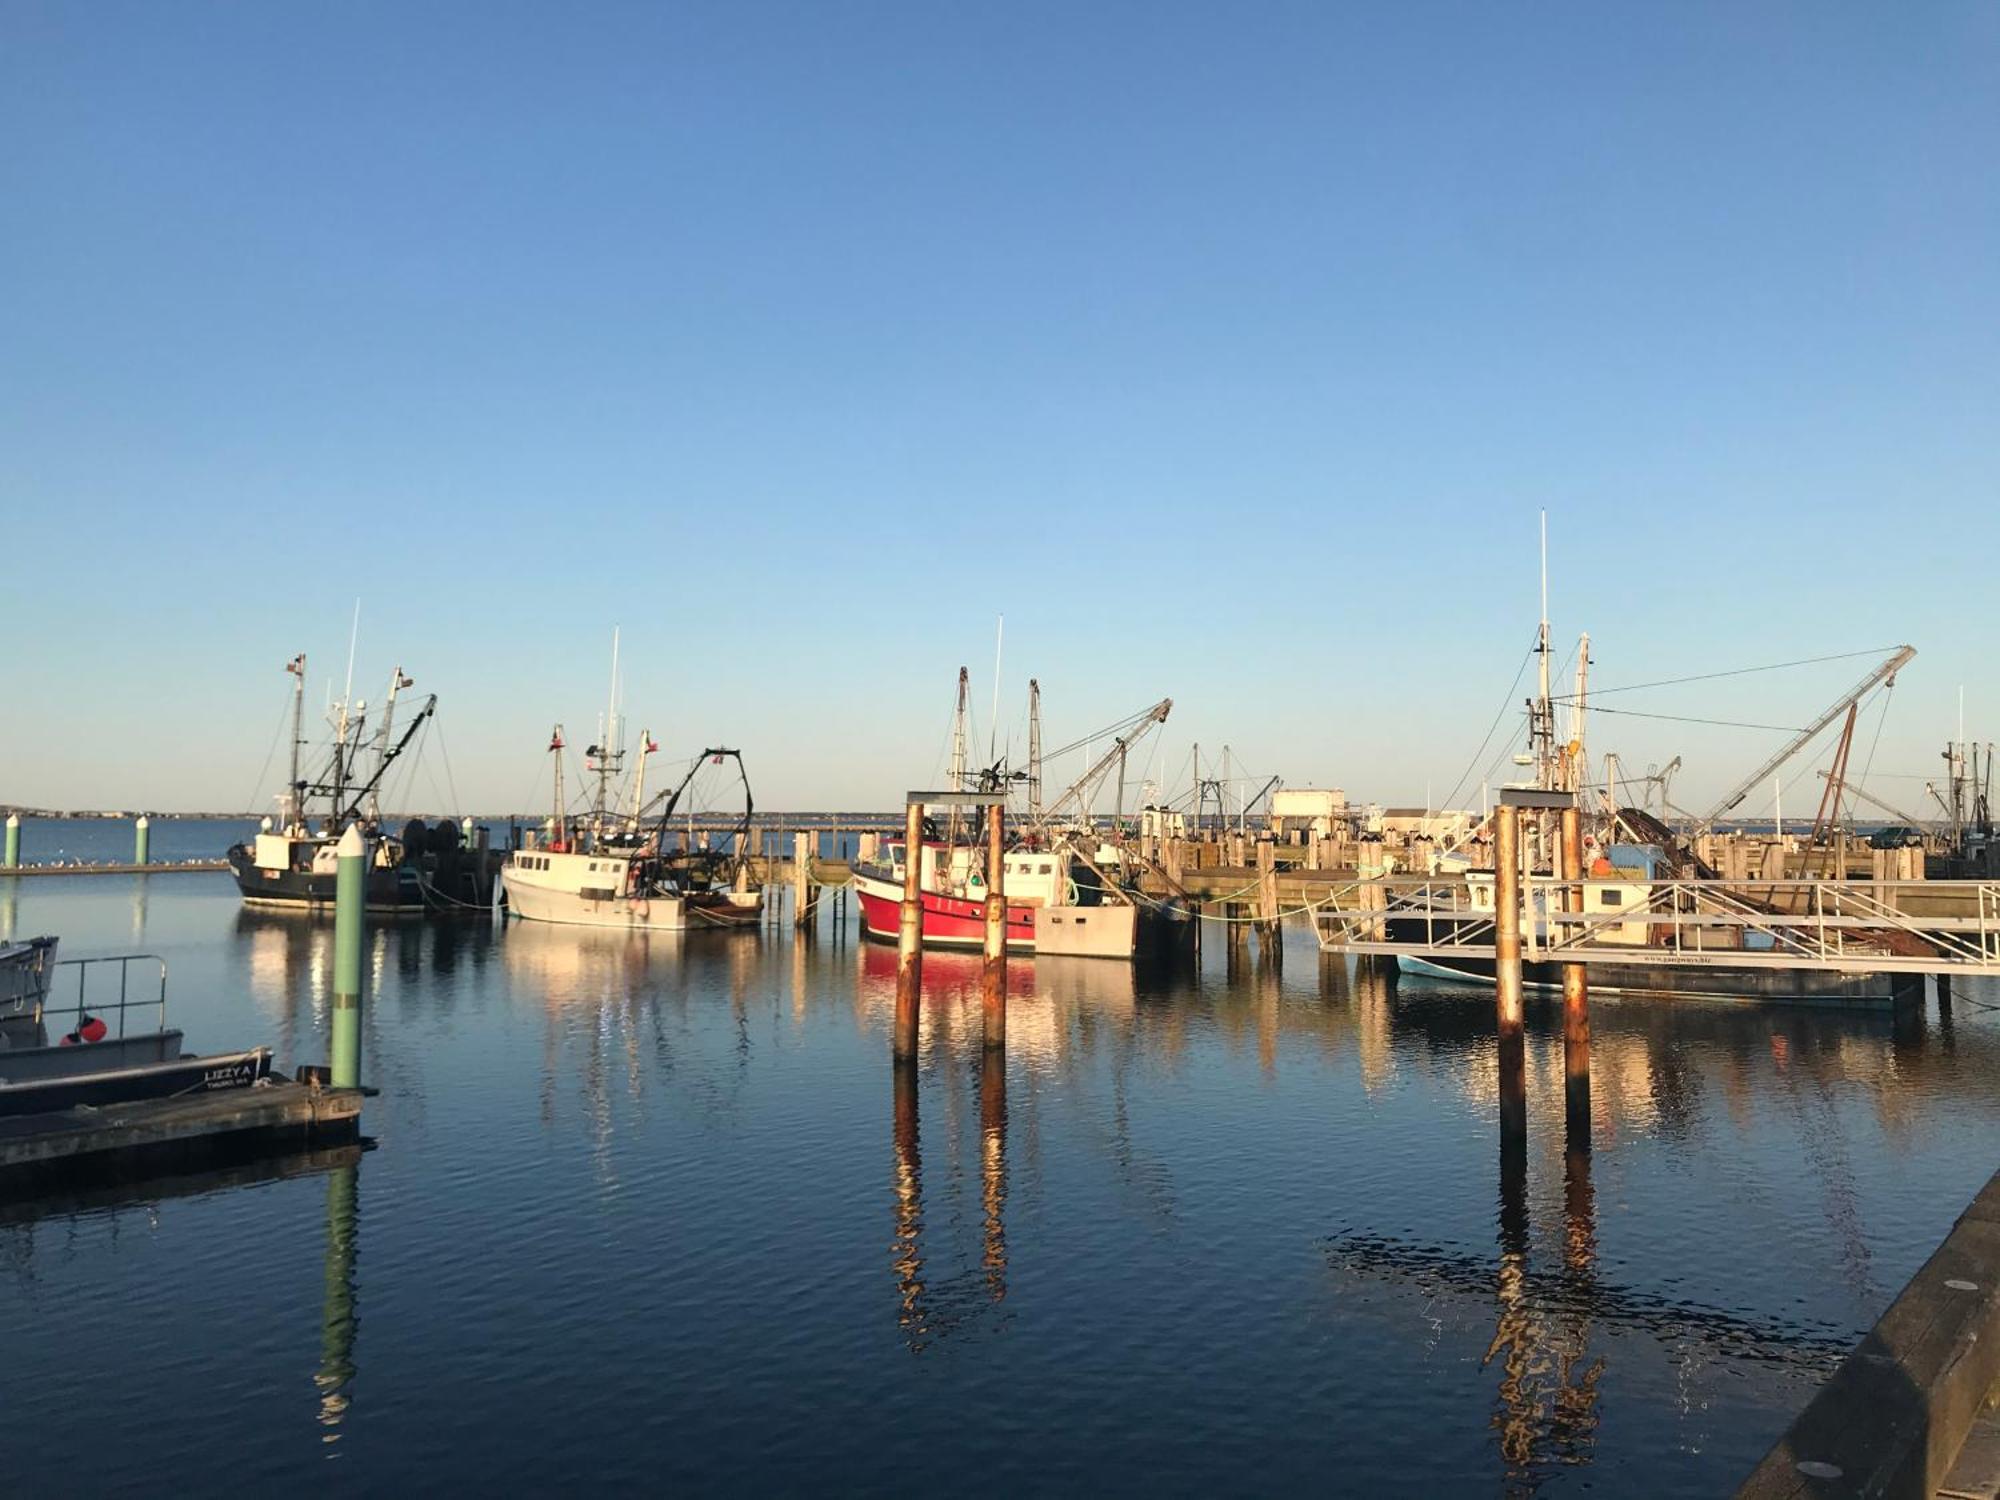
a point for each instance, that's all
(1610, 898)
(1045, 869)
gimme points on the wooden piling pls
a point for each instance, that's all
(1576, 994)
(804, 907)
(1267, 893)
(1512, 1048)
(994, 975)
(910, 935)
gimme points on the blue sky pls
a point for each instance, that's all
(1229, 350)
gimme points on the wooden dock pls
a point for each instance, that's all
(153, 1135)
(1910, 1411)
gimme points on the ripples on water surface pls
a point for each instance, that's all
(654, 1212)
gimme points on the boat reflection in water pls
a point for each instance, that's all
(1052, 1003)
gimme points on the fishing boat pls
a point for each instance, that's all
(1625, 877)
(1645, 889)
(615, 868)
(1067, 891)
(95, 1063)
(290, 862)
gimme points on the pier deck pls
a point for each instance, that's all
(156, 1134)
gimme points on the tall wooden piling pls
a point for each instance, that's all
(805, 907)
(1576, 994)
(350, 916)
(1267, 899)
(910, 935)
(994, 975)
(1507, 972)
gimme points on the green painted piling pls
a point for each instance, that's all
(142, 840)
(350, 916)
(13, 841)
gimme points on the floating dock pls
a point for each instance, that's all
(152, 1135)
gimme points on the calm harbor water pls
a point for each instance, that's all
(654, 1212)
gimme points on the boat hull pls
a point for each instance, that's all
(1804, 986)
(25, 970)
(948, 922)
(1107, 930)
(533, 903)
(44, 1079)
(397, 891)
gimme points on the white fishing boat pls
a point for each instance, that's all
(616, 869)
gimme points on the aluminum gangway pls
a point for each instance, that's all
(1830, 926)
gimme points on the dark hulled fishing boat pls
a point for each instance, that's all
(289, 862)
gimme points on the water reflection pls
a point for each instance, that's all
(140, 883)
(993, 1168)
(340, 1319)
(931, 1306)
(1545, 1410)
(908, 1252)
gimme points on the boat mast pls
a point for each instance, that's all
(1574, 752)
(1034, 751)
(559, 826)
(958, 732)
(397, 682)
(340, 750)
(295, 811)
(1541, 719)
(646, 748)
(609, 758)
(1118, 811)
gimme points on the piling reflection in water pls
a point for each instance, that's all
(993, 1167)
(908, 1252)
(340, 1319)
(1546, 1403)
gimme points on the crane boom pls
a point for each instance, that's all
(1078, 794)
(1885, 671)
(1893, 811)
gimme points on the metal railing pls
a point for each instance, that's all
(125, 1003)
(1830, 925)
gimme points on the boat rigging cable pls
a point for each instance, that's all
(1506, 703)
(1778, 666)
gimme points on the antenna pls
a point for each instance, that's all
(993, 725)
(1545, 573)
(353, 638)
